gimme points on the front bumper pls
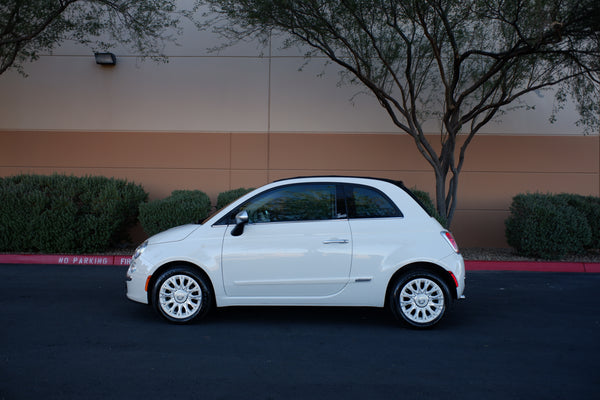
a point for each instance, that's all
(136, 282)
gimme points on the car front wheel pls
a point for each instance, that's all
(181, 295)
(420, 299)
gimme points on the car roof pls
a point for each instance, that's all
(392, 181)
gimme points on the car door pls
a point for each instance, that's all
(297, 243)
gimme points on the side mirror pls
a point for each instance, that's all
(241, 219)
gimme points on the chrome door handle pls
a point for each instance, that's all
(336, 241)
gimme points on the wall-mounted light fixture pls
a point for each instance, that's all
(105, 58)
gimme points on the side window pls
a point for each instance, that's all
(301, 202)
(367, 202)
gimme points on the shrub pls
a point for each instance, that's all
(593, 217)
(427, 203)
(60, 213)
(589, 206)
(546, 226)
(182, 207)
(230, 196)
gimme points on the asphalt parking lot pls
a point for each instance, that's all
(68, 332)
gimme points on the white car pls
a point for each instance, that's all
(314, 241)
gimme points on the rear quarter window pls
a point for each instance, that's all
(367, 202)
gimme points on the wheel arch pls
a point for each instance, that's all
(444, 274)
(173, 264)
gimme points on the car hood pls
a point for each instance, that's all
(174, 234)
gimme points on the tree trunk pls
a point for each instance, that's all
(446, 190)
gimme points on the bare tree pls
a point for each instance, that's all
(460, 61)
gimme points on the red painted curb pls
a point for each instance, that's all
(592, 267)
(64, 259)
(470, 265)
(536, 266)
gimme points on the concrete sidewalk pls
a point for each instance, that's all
(471, 265)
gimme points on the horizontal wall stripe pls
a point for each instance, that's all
(496, 167)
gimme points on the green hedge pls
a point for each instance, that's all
(589, 206)
(60, 213)
(182, 207)
(552, 226)
(230, 196)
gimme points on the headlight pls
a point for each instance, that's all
(139, 251)
(136, 255)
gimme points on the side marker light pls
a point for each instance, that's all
(454, 277)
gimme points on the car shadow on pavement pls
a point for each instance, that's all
(303, 315)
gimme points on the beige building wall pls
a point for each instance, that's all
(246, 116)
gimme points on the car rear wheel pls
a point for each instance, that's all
(420, 299)
(181, 295)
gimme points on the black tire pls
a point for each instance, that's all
(181, 295)
(419, 299)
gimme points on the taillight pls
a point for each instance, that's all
(450, 239)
